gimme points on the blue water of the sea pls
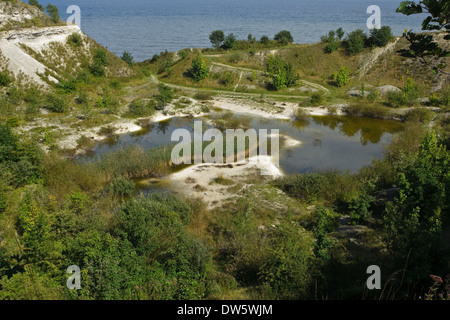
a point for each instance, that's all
(148, 27)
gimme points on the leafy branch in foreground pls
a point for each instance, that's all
(423, 45)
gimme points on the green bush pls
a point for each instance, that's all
(342, 77)
(99, 62)
(373, 95)
(367, 110)
(53, 12)
(36, 4)
(329, 38)
(128, 58)
(202, 95)
(355, 42)
(226, 78)
(284, 37)
(340, 33)
(217, 37)
(82, 98)
(264, 40)
(33, 95)
(199, 69)
(97, 69)
(325, 222)
(331, 47)
(300, 114)
(101, 57)
(407, 97)
(5, 79)
(359, 207)
(380, 37)
(141, 108)
(68, 86)
(75, 39)
(317, 98)
(56, 104)
(164, 96)
(121, 187)
(419, 115)
(229, 41)
(108, 102)
(282, 73)
(235, 57)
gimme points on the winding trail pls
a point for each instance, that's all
(311, 84)
(232, 94)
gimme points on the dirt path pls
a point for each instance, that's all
(232, 94)
(311, 84)
(374, 56)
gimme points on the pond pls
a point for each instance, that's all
(327, 142)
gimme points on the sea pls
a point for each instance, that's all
(148, 27)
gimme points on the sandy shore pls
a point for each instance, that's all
(201, 180)
(283, 110)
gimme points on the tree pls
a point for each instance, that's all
(199, 69)
(283, 73)
(53, 12)
(415, 220)
(355, 42)
(341, 77)
(229, 41)
(264, 40)
(5, 79)
(100, 61)
(380, 37)
(217, 37)
(438, 10)
(36, 4)
(423, 45)
(284, 37)
(340, 33)
(128, 58)
(164, 96)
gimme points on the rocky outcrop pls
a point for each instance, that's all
(18, 14)
(383, 90)
(16, 45)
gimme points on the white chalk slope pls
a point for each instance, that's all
(38, 39)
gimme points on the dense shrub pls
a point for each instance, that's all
(342, 77)
(331, 47)
(5, 79)
(264, 40)
(217, 37)
(100, 61)
(199, 69)
(53, 12)
(284, 37)
(36, 4)
(380, 37)
(355, 42)
(282, 73)
(407, 97)
(164, 96)
(317, 98)
(229, 41)
(121, 187)
(56, 104)
(128, 58)
(141, 108)
(75, 39)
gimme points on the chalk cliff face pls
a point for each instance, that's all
(25, 52)
(19, 14)
(34, 49)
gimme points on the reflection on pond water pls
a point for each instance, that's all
(327, 142)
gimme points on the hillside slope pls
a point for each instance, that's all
(49, 54)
